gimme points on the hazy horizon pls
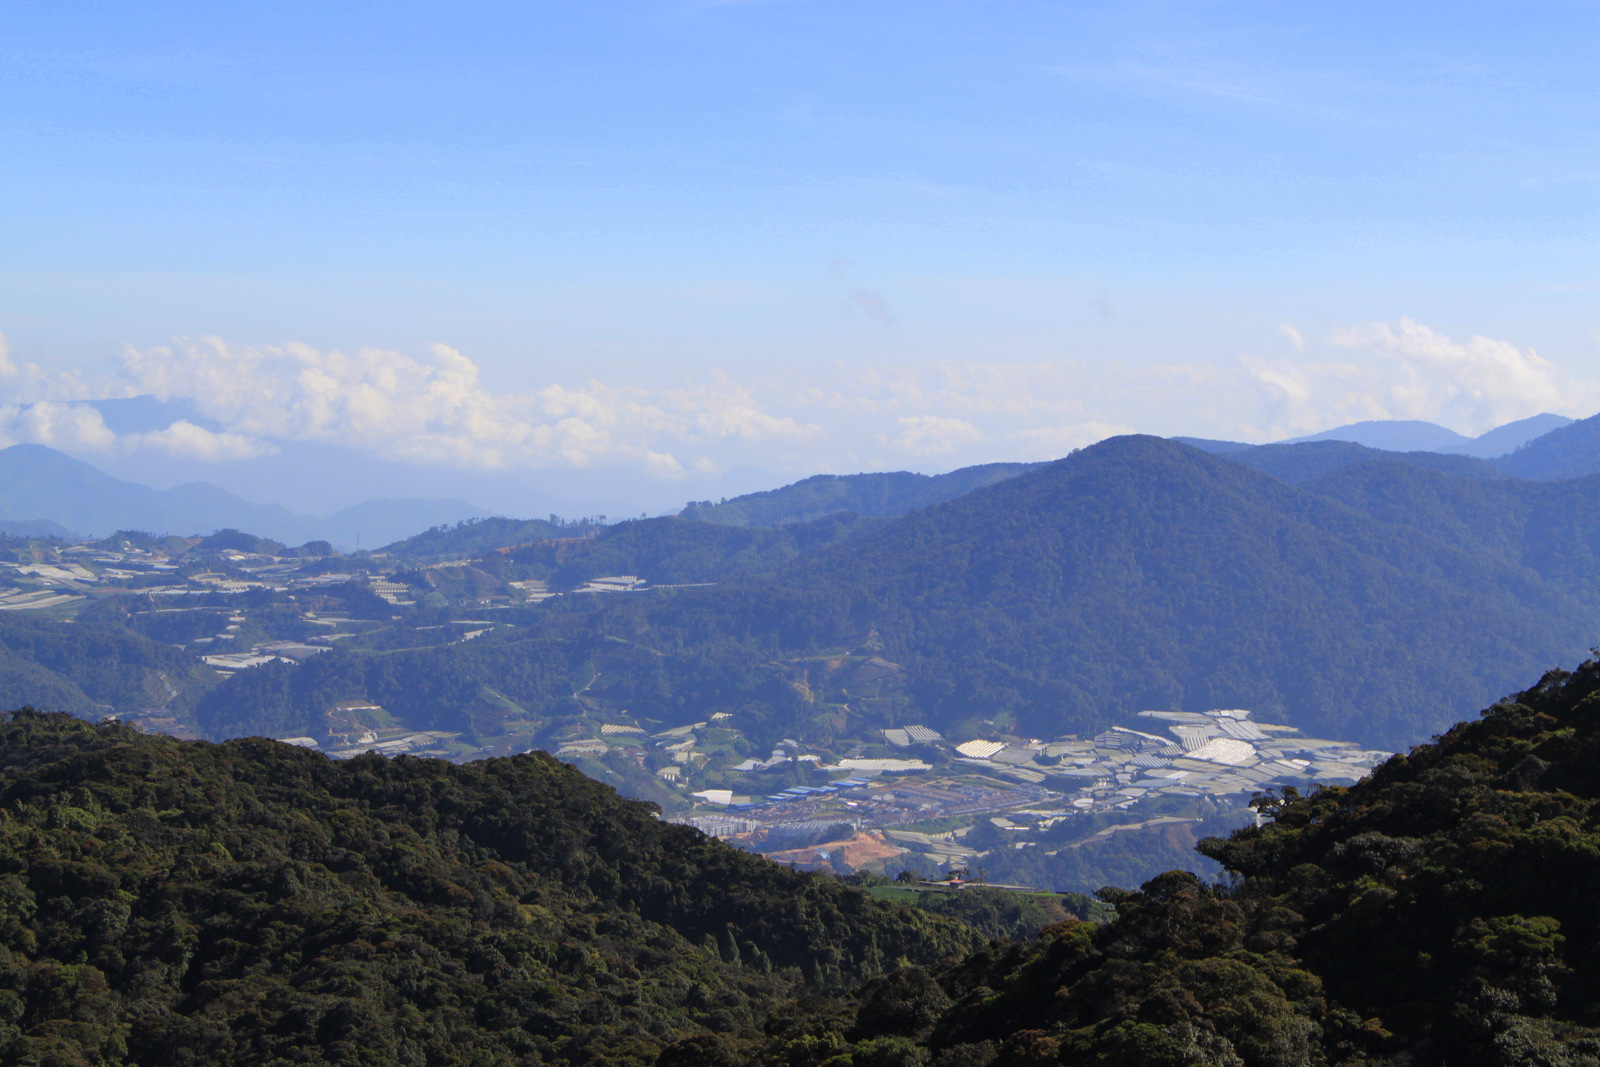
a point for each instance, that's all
(672, 250)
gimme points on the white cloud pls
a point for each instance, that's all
(69, 427)
(183, 438)
(28, 383)
(1474, 385)
(1292, 398)
(664, 465)
(434, 407)
(726, 409)
(1053, 442)
(928, 435)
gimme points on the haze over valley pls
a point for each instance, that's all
(695, 533)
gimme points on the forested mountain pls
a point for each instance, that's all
(90, 670)
(1135, 574)
(1569, 452)
(676, 550)
(1438, 913)
(477, 536)
(1550, 528)
(1141, 573)
(253, 903)
(1413, 435)
(1300, 463)
(884, 495)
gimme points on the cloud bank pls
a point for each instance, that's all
(434, 407)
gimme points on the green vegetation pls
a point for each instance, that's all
(1437, 913)
(1300, 463)
(1566, 452)
(1140, 573)
(678, 550)
(886, 495)
(1003, 914)
(252, 903)
(1135, 574)
(474, 537)
(89, 668)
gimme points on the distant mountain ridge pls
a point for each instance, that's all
(1569, 451)
(42, 488)
(1342, 592)
(1300, 462)
(1543, 448)
(1142, 573)
(887, 494)
(1357, 594)
(1413, 435)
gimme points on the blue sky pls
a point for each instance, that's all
(674, 240)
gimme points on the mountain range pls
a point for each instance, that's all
(43, 485)
(1371, 597)
(885, 495)
(1324, 584)
(1140, 573)
(1411, 435)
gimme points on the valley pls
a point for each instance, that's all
(941, 683)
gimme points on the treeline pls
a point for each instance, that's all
(1437, 913)
(252, 903)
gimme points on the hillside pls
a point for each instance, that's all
(1135, 574)
(874, 495)
(1300, 463)
(1571, 451)
(1546, 527)
(89, 669)
(1513, 435)
(478, 536)
(1143, 574)
(248, 903)
(1412, 435)
(1436, 913)
(253, 903)
(677, 550)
